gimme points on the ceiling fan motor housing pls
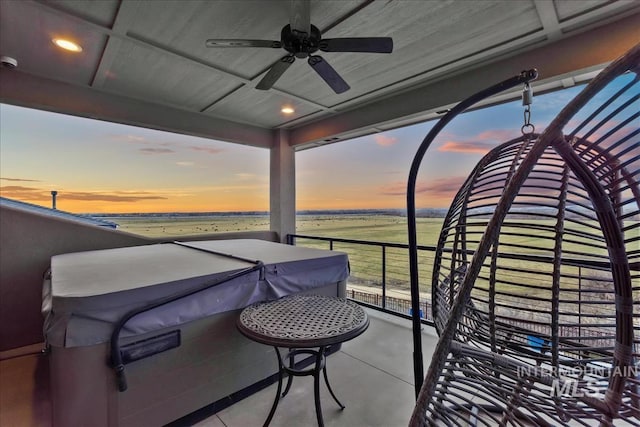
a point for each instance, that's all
(300, 43)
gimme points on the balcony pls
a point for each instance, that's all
(380, 272)
(372, 375)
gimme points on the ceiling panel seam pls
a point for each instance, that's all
(346, 16)
(422, 78)
(433, 75)
(211, 107)
(138, 40)
(106, 61)
(120, 25)
(248, 84)
(610, 9)
(472, 60)
(549, 18)
(163, 49)
(120, 31)
(577, 49)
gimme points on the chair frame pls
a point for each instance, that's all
(578, 154)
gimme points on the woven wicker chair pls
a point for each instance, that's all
(536, 284)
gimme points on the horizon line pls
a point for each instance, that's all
(302, 211)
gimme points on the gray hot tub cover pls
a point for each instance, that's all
(89, 291)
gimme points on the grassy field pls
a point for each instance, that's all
(381, 228)
(384, 228)
(176, 226)
(367, 260)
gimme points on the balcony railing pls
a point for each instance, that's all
(379, 272)
(380, 277)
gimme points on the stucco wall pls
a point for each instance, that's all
(27, 243)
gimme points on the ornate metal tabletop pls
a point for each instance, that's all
(299, 321)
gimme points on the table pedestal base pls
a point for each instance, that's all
(320, 365)
(303, 323)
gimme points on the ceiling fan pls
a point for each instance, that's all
(302, 40)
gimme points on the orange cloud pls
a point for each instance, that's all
(210, 150)
(384, 140)
(479, 144)
(129, 138)
(437, 187)
(245, 176)
(31, 194)
(24, 193)
(612, 130)
(108, 197)
(434, 193)
(20, 180)
(498, 135)
(156, 150)
(169, 146)
(466, 147)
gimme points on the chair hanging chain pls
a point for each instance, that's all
(527, 98)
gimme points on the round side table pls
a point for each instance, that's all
(305, 324)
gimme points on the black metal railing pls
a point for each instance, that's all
(379, 272)
(380, 275)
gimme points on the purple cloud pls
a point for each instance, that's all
(156, 150)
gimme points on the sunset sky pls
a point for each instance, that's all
(103, 167)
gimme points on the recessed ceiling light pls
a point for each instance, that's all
(288, 110)
(67, 45)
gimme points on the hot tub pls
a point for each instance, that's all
(184, 351)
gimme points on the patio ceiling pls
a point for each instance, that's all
(146, 63)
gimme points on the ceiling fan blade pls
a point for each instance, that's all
(300, 19)
(242, 43)
(358, 44)
(328, 74)
(275, 72)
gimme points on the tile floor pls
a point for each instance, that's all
(372, 375)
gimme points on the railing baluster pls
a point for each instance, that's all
(400, 307)
(392, 305)
(384, 276)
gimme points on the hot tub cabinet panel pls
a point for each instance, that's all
(212, 361)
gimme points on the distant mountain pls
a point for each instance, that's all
(176, 214)
(421, 213)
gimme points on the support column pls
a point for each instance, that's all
(282, 198)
